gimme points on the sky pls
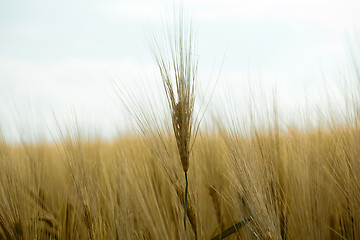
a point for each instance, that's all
(57, 58)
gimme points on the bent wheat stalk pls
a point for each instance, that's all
(234, 228)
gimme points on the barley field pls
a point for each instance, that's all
(293, 184)
(273, 181)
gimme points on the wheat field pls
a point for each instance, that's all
(272, 182)
(295, 185)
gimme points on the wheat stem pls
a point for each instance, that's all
(185, 207)
(232, 229)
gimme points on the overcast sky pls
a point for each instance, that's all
(60, 56)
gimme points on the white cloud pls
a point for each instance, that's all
(333, 48)
(36, 90)
(336, 15)
(132, 10)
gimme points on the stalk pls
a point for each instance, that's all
(179, 74)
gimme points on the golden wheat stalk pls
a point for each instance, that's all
(179, 78)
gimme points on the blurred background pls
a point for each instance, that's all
(60, 59)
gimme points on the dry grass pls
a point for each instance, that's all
(120, 190)
(291, 183)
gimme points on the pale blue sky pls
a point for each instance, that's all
(55, 56)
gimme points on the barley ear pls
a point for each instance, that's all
(178, 77)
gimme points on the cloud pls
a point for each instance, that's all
(38, 89)
(336, 15)
(330, 13)
(131, 10)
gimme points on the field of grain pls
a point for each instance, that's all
(294, 185)
(275, 181)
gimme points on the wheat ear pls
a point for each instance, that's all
(179, 77)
